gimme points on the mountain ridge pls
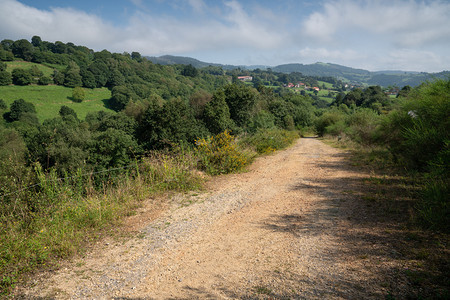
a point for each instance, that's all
(383, 78)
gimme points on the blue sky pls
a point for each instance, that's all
(411, 35)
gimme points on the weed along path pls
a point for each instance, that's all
(293, 227)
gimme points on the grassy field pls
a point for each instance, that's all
(49, 99)
(327, 84)
(11, 65)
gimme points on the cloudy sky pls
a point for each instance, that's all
(412, 35)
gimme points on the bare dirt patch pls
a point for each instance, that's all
(295, 226)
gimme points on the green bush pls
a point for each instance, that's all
(220, 154)
(362, 125)
(267, 141)
(433, 208)
(78, 94)
(327, 119)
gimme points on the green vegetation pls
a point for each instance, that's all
(221, 155)
(268, 141)
(70, 169)
(19, 64)
(49, 99)
(413, 134)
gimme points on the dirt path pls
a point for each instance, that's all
(292, 227)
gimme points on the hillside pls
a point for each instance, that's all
(359, 76)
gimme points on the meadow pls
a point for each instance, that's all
(49, 99)
(19, 64)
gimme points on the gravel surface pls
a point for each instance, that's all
(290, 228)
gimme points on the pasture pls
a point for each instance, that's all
(49, 99)
(17, 64)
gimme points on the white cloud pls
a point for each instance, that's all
(360, 33)
(407, 59)
(406, 23)
(62, 24)
(197, 5)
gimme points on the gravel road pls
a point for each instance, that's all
(288, 228)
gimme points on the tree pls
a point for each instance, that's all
(116, 78)
(6, 44)
(120, 96)
(113, 148)
(174, 122)
(88, 78)
(67, 111)
(5, 78)
(190, 71)
(3, 105)
(404, 91)
(136, 56)
(21, 77)
(58, 77)
(198, 100)
(22, 49)
(36, 41)
(240, 100)
(19, 108)
(44, 80)
(217, 114)
(78, 94)
(72, 77)
(6, 55)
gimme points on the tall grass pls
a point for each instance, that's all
(45, 218)
(55, 217)
(270, 140)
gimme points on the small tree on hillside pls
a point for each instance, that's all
(78, 94)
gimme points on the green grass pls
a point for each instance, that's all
(327, 84)
(49, 99)
(11, 65)
(72, 213)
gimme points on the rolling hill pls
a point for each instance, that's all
(383, 78)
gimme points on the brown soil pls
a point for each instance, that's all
(294, 227)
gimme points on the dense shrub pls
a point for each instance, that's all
(78, 94)
(221, 155)
(267, 141)
(328, 119)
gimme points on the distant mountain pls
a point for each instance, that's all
(325, 69)
(180, 60)
(383, 78)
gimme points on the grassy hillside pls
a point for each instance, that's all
(17, 64)
(49, 99)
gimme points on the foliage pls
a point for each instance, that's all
(5, 78)
(78, 94)
(171, 123)
(68, 212)
(434, 207)
(50, 98)
(221, 155)
(216, 114)
(66, 111)
(268, 141)
(418, 131)
(190, 71)
(327, 119)
(3, 105)
(21, 77)
(18, 109)
(240, 100)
